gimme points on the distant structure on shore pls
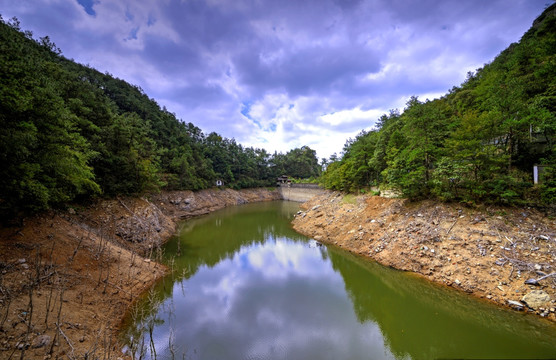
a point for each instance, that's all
(283, 180)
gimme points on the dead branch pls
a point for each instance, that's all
(450, 229)
(67, 340)
(536, 281)
(132, 213)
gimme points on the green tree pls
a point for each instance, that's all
(129, 164)
(44, 160)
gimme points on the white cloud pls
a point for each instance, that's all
(313, 72)
(344, 117)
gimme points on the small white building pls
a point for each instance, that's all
(537, 171)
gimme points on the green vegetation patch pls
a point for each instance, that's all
(349, 199)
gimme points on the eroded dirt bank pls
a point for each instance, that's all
(68, 277)
(489, 253)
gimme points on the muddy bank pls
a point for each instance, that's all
(68, 277)
(492, 253)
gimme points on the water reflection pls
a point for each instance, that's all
(421, 320)
(255, 289)
(270, 301)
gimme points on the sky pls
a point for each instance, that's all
(281, 74)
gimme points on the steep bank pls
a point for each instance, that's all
(489, 253)
(68, 277)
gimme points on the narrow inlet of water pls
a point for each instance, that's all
(246, 286)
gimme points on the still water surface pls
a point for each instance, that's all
(246, 286)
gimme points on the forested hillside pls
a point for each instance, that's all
(478, 143)
(69, 132)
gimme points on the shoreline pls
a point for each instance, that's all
(69, 277)
(488, 253)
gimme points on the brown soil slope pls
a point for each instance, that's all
(67, 278)
(489, 253)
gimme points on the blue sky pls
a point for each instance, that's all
(282, 74)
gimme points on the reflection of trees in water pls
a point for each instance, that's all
(423, 320)
(139, 337)
(220, 235)
(142, 320)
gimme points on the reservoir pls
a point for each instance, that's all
(245, 285)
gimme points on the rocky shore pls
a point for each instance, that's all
(68, 277)
(504, 255)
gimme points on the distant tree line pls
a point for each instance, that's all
(478, 143)
(69, 132)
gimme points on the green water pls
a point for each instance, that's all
(246, 286)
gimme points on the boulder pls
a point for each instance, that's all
(536, 299)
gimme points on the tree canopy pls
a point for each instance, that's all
(478, 143)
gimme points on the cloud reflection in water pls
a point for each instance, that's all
(279, 300)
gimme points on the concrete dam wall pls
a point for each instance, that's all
(299, 192)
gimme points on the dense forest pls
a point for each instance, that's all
(70, 133)
(476, 144)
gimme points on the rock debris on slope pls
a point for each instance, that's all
(489, 252)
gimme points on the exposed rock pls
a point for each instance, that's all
(136, 221)
(41, 341)
(531, 282)
(186, 204)
(515, 304)
(536, 299)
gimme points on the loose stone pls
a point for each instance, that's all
(515, 304)
(536, 299)
(41, 341)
